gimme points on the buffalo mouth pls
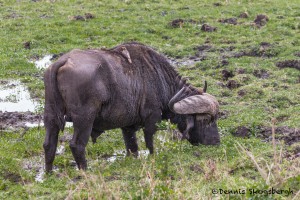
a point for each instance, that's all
(204, 132)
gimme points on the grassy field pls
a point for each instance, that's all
(241, 60)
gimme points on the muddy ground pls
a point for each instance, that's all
(288, 135)
(16, 120)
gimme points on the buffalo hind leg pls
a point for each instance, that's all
(50, 143)
(82, 132)
(129, 136)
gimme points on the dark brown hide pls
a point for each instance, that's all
(125, 87)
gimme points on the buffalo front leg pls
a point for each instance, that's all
(150, 129)
(82, 132)
(50, 143)
(129, 136)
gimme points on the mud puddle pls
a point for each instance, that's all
(41, 124)
(184, 62)
(162, 139)
(16, 106)
(44, 62)
(121, 154)
(15, 97)
(19, 120)
(35, 165)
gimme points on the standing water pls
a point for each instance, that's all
(44, 62)
(15, 97)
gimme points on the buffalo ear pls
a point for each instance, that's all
(197, 104)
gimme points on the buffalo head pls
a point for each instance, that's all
(200, 114)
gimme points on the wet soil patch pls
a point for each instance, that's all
(226, 74)
(200, 55)
(197, 154)
(232, 84)
(192, 21)
(18, 119)
(203, 48)
(196, 168)
(177, 23)
(221, 84)
(82, 18)
(242, 131)
(27, 45)
(224, 62)
(241, 71)
(165, 37)
(232, 21)
(261, 20)
(261, 73)
(12, 177)
(13, 15)
(208, 28)
(263, 50)
(292, 155)
(223, 114)
(289, 135)
(89, 16)
(289, 64)
(66, 137)
(201, 51)
(295, 153)
(217, 4)
(56, 56)
(186, 61)
(78, 18)
(230, 48)
(242, 93)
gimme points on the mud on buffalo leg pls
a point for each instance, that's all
(150, 129)
(50, 142)
(129, 135)
(82, 130)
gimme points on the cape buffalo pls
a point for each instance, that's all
(129, 86)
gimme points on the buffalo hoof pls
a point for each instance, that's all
(48, 168)
(134, 154)
(82, 166)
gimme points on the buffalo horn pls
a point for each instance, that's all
(197, 104)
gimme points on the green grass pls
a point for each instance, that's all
(178, 170)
